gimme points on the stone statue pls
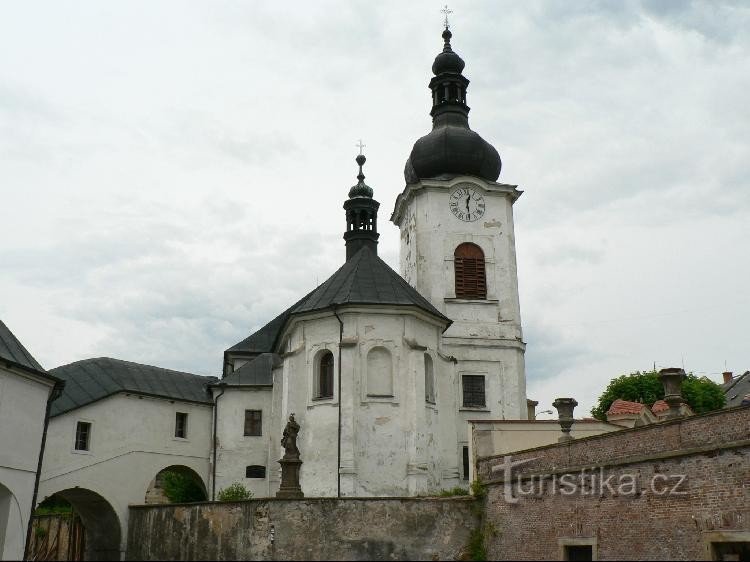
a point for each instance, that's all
(290, 463)
(289, 439)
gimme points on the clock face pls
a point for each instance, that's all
(466, 203)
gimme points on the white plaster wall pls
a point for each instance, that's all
(23, 401)
(132, 440)
(485, 336)
(235, 451)
(389, 445)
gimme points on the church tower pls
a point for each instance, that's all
(458, 249)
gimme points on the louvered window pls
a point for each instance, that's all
(470, 277)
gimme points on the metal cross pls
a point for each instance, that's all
(360, 146)
(446, 11)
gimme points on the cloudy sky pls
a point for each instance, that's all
(172, 173)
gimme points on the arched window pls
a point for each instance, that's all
(429, 380)
(255, 471)
(469, 267)
(324, 375)
(379, 372)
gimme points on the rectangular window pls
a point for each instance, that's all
(473, 387)
(83, 436)
(579, 552)
(180, 425)
(253, 423)
(466, 463)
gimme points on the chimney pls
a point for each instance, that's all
(727, 376)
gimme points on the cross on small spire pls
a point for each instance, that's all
(446, 11)
(360, 145)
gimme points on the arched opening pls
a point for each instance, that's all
(176, 484)
(429, 380)
(379, 373)
(324, 375)
(471, 283)
(101, 525)
(11, 526)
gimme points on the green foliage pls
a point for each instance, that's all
(701, 394)
(457, 491)
(235, 492)
(54, 505)
(475, 547)
(181, 488)
(478, 489)
(40, 532)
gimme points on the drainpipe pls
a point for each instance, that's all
(54, 395)
(216, 412)
(338, 452)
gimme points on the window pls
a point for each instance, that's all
(468, 261)
(83, 436)
(379, 373)
(253, 423)
(180, 425)
(466, 462)
(255, 471)
(579, 552)
(429, 380)
(473, 387)
(324, 382)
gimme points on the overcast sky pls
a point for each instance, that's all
(172, 173)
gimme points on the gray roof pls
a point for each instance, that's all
(13, 351)
(90, 380)
(736, 389)
(256, 372)
(364, 279)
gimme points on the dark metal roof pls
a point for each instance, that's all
(256, 372)
(451, 148)
(90, 380)
(13, 351)
(364, 279)
(737, 389)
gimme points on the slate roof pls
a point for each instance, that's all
(90, 380)
(256, 372)
(364, 279)
(13, 351)
(736, 389)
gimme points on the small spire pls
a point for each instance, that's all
(361, 189)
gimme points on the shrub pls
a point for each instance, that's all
(181, 488)
(235, 492)
(457, 491)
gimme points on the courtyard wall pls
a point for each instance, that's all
(677, 490)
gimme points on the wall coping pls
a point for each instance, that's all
(614, 434)
(637, 459)
(311, 499)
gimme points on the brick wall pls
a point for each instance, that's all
(706, 459)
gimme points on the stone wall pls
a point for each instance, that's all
(676, 490)
(312, 529)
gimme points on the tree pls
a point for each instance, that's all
(701, 394)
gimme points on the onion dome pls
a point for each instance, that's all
(447, 61)
(361, 189)
(451, 148)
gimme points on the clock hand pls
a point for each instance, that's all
(467, 203)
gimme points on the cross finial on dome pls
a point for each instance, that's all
(446, 11)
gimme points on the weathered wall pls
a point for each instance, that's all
(485, 336)
(311, 529)
(662, 492)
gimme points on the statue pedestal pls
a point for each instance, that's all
(290, 487)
